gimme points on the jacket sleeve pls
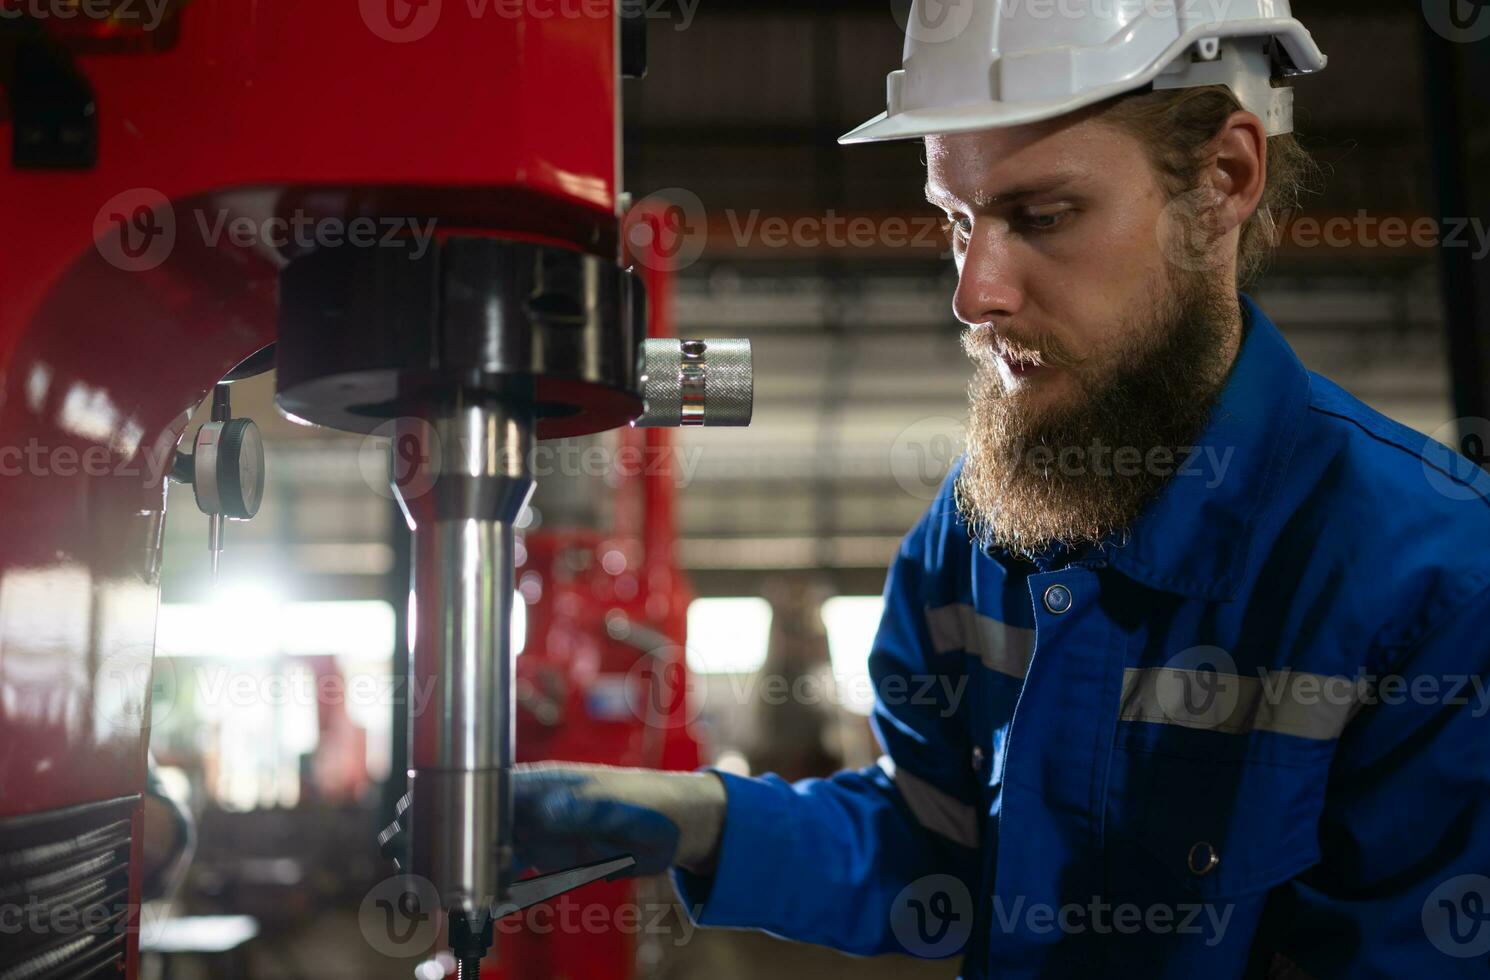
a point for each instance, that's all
(878, 860)
(1404, 887)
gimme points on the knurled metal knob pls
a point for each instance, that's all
(695, 382)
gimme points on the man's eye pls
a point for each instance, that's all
(1043, 222)
(960, 225)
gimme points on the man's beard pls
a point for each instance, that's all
(1017, 488)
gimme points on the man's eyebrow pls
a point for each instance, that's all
(982, 200)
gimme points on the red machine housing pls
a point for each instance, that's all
(123, 305)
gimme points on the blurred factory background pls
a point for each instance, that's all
(783, 530)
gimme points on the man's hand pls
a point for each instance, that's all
(568, 815)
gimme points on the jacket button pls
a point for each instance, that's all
(1203, 858)
(977, 758)
(1057, 599)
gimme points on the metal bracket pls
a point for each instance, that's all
(529, 892)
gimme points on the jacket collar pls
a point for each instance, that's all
(1193, 538)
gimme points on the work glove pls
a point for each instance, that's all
(569, 815)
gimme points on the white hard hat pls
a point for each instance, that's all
(980, 64)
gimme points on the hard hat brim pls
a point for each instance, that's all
(918, 123)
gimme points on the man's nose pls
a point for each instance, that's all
(987, 284)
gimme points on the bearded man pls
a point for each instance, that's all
(1208, 634)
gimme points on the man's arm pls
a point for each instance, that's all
(1404, 887)
(852, 861)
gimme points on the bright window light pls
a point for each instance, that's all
(253, 624)
(362, 629)
(242, 652)
(851, 622)
(728, 636)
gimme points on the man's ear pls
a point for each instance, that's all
(1239, 171)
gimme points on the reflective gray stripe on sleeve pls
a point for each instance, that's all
(1001, 647)
(936, 811)
(1287, 702)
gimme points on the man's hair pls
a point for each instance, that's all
(1176, 126)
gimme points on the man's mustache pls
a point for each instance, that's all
(1037, 347)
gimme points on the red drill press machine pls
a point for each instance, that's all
(194, 185)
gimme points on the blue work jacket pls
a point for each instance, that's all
(1249, 740)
